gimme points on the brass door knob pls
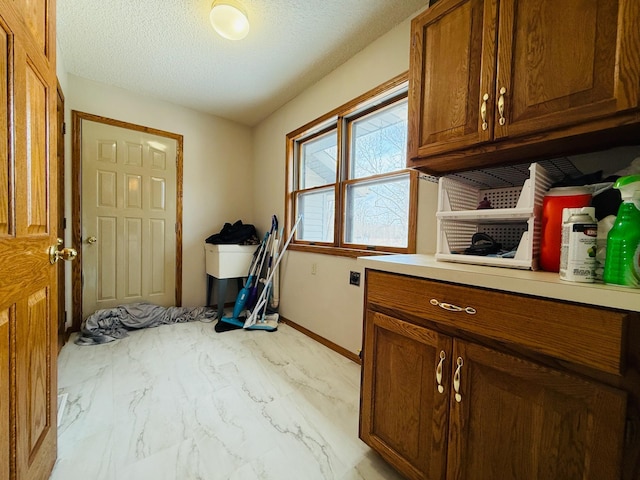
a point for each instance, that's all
(66, 253)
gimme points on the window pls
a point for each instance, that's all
(347, 177)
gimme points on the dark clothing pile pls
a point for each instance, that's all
(110, 324)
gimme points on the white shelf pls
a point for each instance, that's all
(514, 221)
(494, 215)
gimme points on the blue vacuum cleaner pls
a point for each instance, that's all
(248, 293)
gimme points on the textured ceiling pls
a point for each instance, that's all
(168, 50)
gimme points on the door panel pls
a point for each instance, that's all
(403, 415)
(158, 232)
(129, 181)
(5, 166)
(453, 51)
(105, 273)
(36, 14)
(33, 370)
(544, 89)
(36, 161)
(133, 257)
(559, 424)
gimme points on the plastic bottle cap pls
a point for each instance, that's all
(567, 191)
(629, 187)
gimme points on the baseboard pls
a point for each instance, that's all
(327, 343)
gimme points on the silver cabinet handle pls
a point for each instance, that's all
(439, 372)
(502, 120)
(483, 111)
(452, 308)
(456, 380)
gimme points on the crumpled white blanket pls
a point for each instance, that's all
(110, 324)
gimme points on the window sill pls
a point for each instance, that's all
(343, 252)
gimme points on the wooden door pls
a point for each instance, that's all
(403, 413)
(28, 286)
(563, 62)
(519, 421)
(452, 68)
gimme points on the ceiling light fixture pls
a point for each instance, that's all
(229, 19)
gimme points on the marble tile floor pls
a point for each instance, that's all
(182, 402)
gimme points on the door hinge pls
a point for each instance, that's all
(64, 223)
(64, 128)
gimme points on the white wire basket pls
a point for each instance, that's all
(513, 221)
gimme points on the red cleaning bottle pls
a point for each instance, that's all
(555, 200)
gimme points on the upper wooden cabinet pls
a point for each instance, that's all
(500, 73)
(449, 70)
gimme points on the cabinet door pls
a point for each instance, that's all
(562, 62)
(518, 420)
(452, 68)
(403, 413)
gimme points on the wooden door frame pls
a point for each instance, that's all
(61, 220)
(76, 200)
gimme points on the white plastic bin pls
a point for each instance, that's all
(228, 261)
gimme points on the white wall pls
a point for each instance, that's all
(217, 167)
(231, 172)
(325, 303)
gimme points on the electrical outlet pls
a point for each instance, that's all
(314, 268)
(354, 278)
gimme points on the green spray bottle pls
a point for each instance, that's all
(622, 263)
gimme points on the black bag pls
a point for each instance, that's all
(238, 233)
(482, 244)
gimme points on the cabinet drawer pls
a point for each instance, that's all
(584, 335)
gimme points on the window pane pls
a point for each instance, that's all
(379, 142)
(318, 213)
(377, 212)
(318, 160)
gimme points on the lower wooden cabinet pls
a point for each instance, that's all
(513, 419)
(439, 406)
(403, 414)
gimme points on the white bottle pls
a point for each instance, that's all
(579, 244)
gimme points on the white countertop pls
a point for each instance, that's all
(540, 284)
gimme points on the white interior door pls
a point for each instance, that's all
(128, 217)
